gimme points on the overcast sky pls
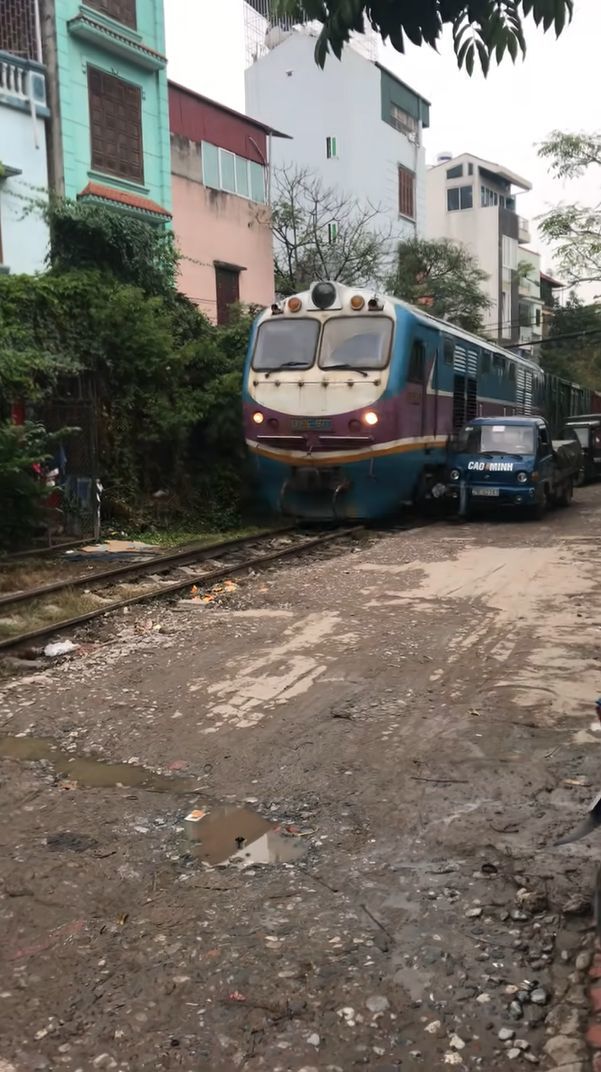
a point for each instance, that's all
(501, 118)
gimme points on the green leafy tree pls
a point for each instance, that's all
(573, 348)
(574, 229)
(321, 234)
(444, 278)
(482, 29)
(90, 236)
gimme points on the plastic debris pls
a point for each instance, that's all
(433, 1027)
(539, 996)
(191, 823)
(506, 1034)
(456, 1042)
(377, 1003)
(59, 647)
(235, 995)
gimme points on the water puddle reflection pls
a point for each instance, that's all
(88, 771)
(241, 837)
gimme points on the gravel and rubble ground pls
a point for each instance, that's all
(414, 714)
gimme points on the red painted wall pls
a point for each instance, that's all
(199, 120)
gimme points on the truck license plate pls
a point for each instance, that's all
(490, 493)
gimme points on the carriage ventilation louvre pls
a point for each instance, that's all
(465, 386)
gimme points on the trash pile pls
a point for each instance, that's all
(224, 588)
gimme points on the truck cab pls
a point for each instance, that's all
(587, 429)
(512, 462)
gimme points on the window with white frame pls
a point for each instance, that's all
(223, 170)
(459, 197)
(488, 196)
(510, 252)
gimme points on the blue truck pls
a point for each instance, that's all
(511, 462)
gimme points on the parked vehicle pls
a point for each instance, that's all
(587, 429)
(511, 461)
(350, 397)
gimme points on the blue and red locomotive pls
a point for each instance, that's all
(349, 399)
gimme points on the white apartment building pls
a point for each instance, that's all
(473, 201)
(355, 124)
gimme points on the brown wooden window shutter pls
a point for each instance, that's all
(115, 125)
(407, 193)
(123, 11)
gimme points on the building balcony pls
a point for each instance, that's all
(523, 230)
(94, 29)
(23, 84)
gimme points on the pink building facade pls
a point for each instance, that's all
(221, 215)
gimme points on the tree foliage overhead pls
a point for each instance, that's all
(482, 29)
(90, 236)
(573, 348)
(574, 229)
(319, 233)
(153, 383)
(444, 278)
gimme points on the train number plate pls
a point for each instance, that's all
(489, 493)
(311, 424)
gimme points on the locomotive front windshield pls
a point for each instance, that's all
(285, 344)
(497, 439)
(358, 342)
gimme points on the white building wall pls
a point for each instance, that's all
(23, 231)
(287, 90)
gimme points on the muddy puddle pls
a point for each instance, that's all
(241, 837)
(88, 771)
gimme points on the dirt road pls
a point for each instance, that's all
(415, 717)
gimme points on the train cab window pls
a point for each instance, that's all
(286, 344)
(448, 352)
(361, 342)
(417, 363)
(485, 361)
(543, 438)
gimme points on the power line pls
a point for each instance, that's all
(554, 338)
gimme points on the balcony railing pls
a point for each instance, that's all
(22, 82)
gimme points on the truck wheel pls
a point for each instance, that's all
(538, 511)
(565, 496)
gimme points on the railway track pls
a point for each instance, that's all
(164, 575)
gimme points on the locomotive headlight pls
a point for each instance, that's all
(370, 417)
(295, 305)
(454, 474)
(357, 302)
(258, 418)
(522, 478)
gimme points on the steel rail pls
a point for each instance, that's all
(204, 579)
(150, 565)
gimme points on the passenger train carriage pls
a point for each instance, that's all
(349, 399)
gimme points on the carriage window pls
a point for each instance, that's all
(485, 363)
(285, 344)
(498, 364)
(417, 363)
(448, 351)
(511, 371)
(356, 342)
